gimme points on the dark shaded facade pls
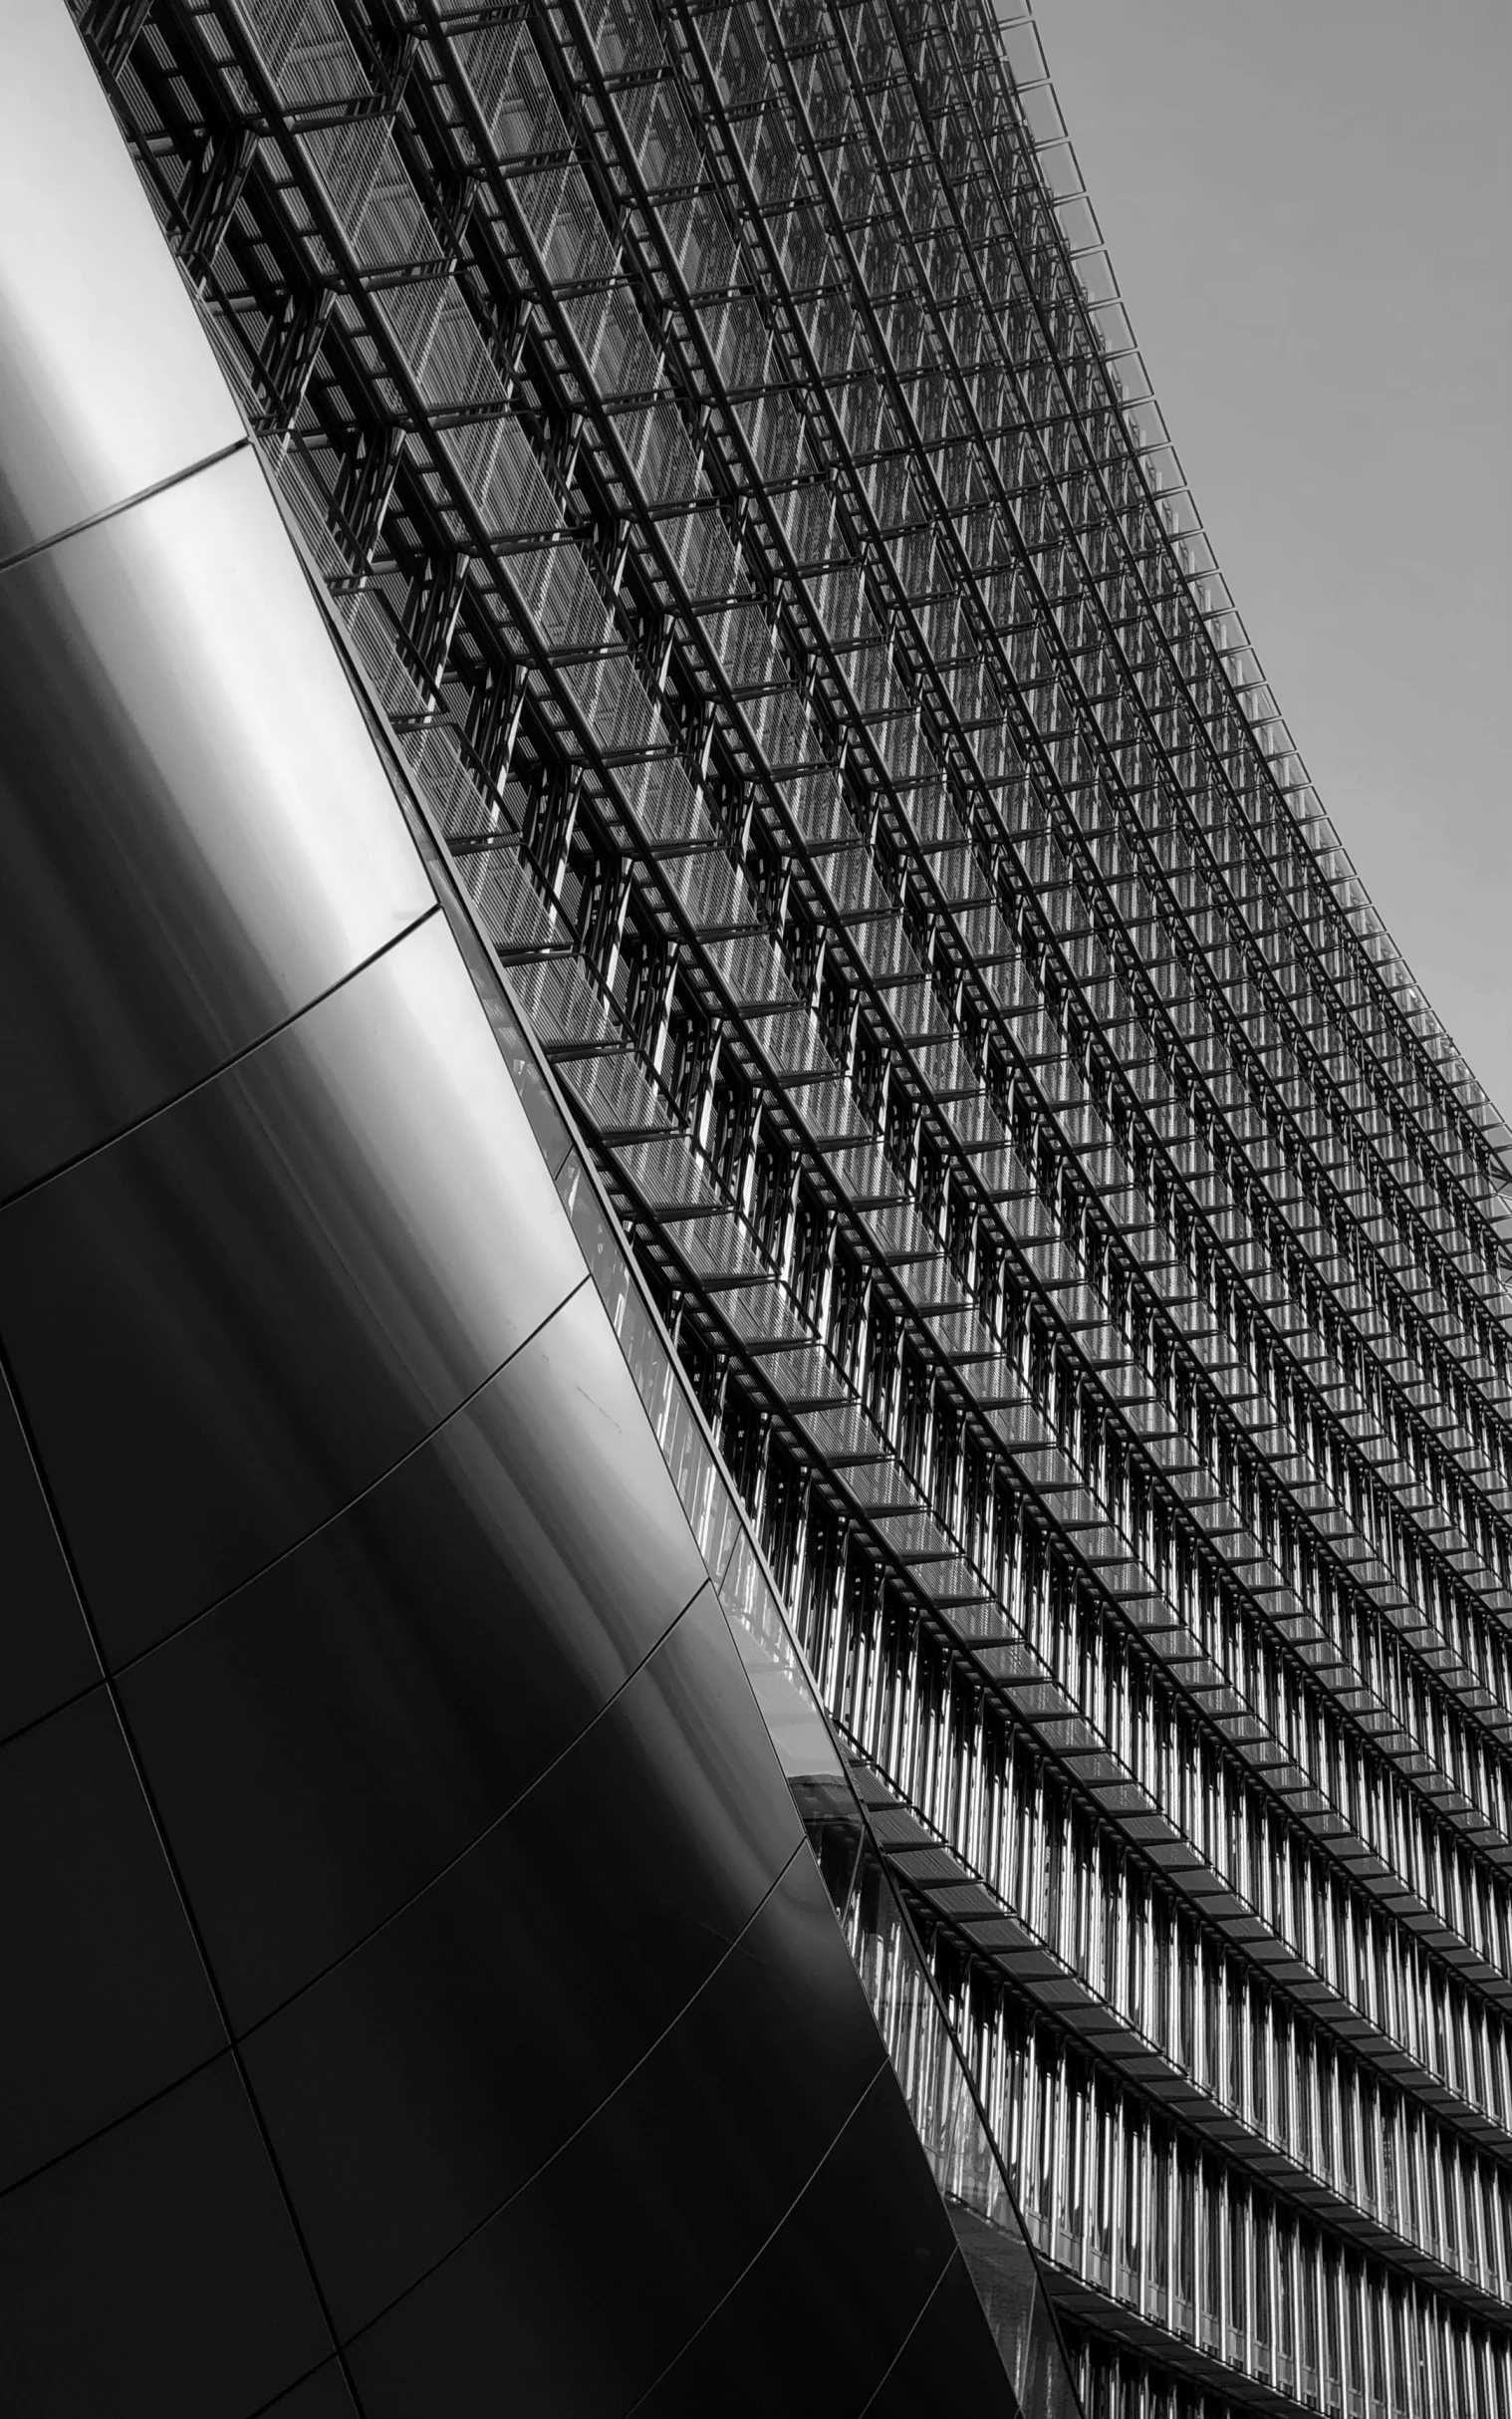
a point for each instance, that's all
(717, 447)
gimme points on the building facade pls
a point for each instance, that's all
(720, 449)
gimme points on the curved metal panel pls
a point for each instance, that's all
(244, 1311)
(106, 383)
(390, 1688)
(412, 2091)
(194, 821)
(326, 2395)
(662, 2200)
(806, 2327)
(46, 1655)
(946, 2342)
(115, 2005)
(155, 2269)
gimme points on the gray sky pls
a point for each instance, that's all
(1308, 206)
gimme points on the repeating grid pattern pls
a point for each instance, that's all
(717, 435)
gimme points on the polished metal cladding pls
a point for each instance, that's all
(790, 2367)
(395, 1684)
(781, 2014)
(106, 386)
(425, 2082)
(351, 1216)
(423, 1994)
(155, 2269)
(46, 1656)
(192, 816)
(110, 2004)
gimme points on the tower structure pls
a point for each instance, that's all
(720, 444)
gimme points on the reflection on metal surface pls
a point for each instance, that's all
(352, 1218)
(682, 2180)
(391, 2087)
(367, 1691)
(107, 384)
(191, 818)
